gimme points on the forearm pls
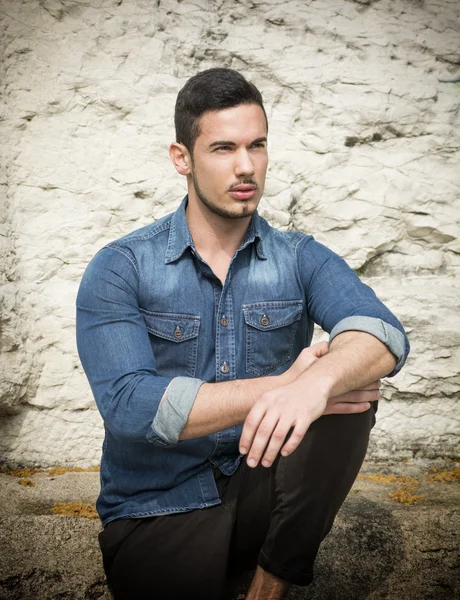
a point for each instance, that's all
(218, 406)
(354, 360)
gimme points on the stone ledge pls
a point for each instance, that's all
(378, 548)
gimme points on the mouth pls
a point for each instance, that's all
(244, 191)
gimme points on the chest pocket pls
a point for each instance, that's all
(270, 331)
(174, 339)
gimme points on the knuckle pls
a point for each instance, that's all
(252, 420)
(264, 430)
(257, 447)
(289, 448)
(266, 397)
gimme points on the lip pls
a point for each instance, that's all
(243, 192)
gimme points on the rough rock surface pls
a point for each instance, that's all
(363, 99)
(377, 550)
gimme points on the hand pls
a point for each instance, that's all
(273, 416)
(355, 401)
(278, 411)
(304, 361)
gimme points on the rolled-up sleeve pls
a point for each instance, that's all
(339, 301)
(174, 409)
(116, 354)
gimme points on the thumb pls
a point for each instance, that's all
(320, 349)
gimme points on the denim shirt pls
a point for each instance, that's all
(154, 323)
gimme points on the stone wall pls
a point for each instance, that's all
(363, 99)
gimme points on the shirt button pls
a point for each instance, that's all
(178, 332)
(224, 368)
(224, 321)
(264, 320)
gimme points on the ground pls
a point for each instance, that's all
(395, 538)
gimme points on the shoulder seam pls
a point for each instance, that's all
(113, 247)
(156, 231)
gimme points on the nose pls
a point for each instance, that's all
(243, 163)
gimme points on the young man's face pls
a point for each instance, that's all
(230, 161)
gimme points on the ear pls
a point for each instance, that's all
(181, 158)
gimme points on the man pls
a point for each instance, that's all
(199, 323)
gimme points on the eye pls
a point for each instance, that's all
(259, 145)
(223, 148)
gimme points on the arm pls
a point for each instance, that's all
(367, 342)
(355, 359)
(114, 347)
(137, 404)
(339, 302)
(225, 404)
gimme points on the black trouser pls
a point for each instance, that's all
(275, 517)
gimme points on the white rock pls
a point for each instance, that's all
(364, 146)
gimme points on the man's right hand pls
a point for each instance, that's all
(304, 361)
(354, 402)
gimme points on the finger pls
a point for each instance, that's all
(310, 355)
(375, 385)
(295, 438)
(346, 408)
(319, 349)
(261, 439)
(251, 424)
(357, 396)
(276, 441)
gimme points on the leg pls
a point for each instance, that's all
(172, 557)
(311, 486)
(305, 491)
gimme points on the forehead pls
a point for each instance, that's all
(245, 122)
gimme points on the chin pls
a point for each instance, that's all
(246, 210)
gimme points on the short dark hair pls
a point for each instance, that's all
(213, 89)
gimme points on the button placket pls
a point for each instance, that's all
(225, 335)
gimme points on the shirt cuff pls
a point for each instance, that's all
(393, 339)
(173, 412)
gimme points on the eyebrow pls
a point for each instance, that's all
(229, 143)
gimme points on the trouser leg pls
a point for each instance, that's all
(310, 487)
(172, 557)
(286, 510)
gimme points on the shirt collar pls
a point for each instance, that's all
(180, 237)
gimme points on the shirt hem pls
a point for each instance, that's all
(160, 512)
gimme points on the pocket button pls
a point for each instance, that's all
(178, 332)
(264, 320)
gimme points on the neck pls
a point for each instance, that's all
(213, 234)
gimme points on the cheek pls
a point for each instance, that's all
(262, 167)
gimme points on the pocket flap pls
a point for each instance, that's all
(265, 316)
(171, 326)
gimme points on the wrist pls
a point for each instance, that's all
(319, 383)
(284, 379)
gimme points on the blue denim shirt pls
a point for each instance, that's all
(154, 323)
